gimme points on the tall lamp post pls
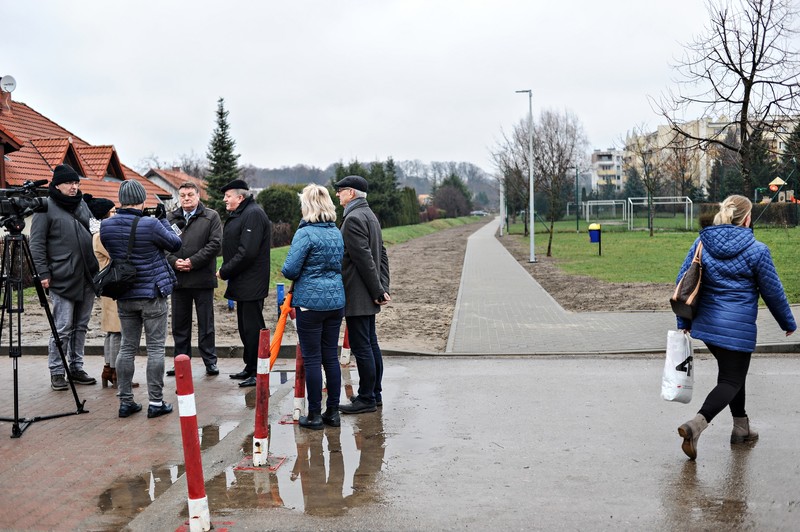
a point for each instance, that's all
(531, 222)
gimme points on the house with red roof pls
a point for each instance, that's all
(171, 180)
(32, 145)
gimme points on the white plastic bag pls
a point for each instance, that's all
(678, 379)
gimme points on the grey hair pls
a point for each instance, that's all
(359, 194)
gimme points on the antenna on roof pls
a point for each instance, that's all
(8, 83)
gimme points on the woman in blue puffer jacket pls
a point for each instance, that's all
(737, 269)
(314, 263)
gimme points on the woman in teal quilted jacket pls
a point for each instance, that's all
(737, 269)
(314, 263)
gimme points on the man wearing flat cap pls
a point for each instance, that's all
(365, 272)
(61, 247)
(245, 265)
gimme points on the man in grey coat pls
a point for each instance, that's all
(365, 272)
(61, 247)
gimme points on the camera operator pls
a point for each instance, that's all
(61, 247)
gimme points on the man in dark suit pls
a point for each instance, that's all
(365, 272)
(195, 266)
(245, 265)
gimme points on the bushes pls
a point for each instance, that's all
(767, 214)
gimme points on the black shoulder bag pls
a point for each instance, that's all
(117, 278)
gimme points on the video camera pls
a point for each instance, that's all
(18, 202)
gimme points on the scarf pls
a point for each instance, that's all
(68, 203)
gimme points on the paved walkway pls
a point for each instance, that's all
(501, 309)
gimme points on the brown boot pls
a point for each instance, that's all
(109, 376)
(690, 432)
(741, 431)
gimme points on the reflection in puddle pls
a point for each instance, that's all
(211, 435)
(325, 473)
(130, 495)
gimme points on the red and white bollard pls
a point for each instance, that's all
(299, 385)
(199, 517)
(344, 354)
(261, 432)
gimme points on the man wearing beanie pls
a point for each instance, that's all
(61, 247)
(245, 265)
(145, 304)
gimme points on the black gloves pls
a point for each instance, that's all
(161, 211)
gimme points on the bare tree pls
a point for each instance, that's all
(510, 157)
(559, 144)
(742, 73)
(681, 166)
(644, 155)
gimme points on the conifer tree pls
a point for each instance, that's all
(222, 160)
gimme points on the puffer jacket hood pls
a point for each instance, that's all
(737, 269)
(726, 241)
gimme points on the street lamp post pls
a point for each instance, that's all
(531, 220)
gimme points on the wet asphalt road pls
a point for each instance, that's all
(547, 443)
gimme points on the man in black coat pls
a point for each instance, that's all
(245, 265)
(365, 273)
(195, 266)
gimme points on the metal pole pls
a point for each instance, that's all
(531, 216)
(577, 210)
(502, 208)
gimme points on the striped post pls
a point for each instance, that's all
(199, 517)
(299, 385)
(344, 354)
(261, 432)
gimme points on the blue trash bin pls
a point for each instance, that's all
(594, 233)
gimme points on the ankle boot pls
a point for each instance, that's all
(108, 377)
(690, 432)
(331, 417)
(741, 431)
(312, 421)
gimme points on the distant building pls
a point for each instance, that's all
(607, 170)
(171, 180)
(32, 145)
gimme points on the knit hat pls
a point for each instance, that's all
(64, 174)
(131, 192)
(98, 206)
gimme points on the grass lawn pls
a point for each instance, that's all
(633, 256)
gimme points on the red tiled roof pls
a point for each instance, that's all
(45, 144)
(176, 178)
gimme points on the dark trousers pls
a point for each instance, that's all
(318, 334)
(202, 299)
(364, 347)
(730, 388)
(250, 318)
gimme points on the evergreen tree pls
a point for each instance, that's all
(791, 157)
(222, 160)
(763, 166)
(634, 188)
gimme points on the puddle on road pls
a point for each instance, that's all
(130, 495)
(325, 472)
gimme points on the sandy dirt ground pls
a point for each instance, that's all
(425, 275)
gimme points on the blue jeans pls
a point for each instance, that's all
(71, 319)
(364, 347)
(133, 315)
(318, 334)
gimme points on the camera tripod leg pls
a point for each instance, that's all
(16, 253)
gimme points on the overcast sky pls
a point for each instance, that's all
(321, 81)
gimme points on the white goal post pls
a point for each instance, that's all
(686, 201)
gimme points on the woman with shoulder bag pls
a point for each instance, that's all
(737, 269)
(314, 263)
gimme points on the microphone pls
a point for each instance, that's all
(36, 184)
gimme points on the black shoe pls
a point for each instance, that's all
(242, 375)
(331, 417)
(171, 372)
(312, 421)
(212, 369)
(126, 409)
(357, 406)
(156, 411)
(249, 381)
(58, 382)
(81, 377)
(378, 400)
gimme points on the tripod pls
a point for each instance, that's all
(16, 254)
